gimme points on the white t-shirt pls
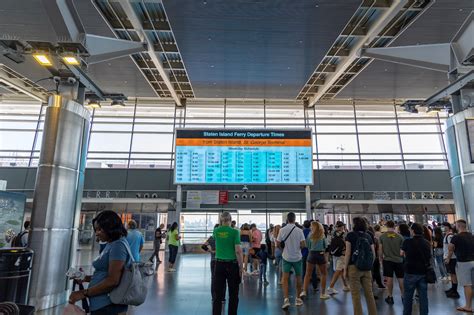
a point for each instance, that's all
(292, 250)
(446, 242)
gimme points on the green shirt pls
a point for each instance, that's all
(226, 239)
(172, 235)
(318, 246)
(391, 244)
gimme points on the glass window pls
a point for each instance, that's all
(346, 143)
(379, 143)
(422, 143)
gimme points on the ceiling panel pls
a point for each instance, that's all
(254, 49)
(388, 80)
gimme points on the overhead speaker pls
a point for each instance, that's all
(342, 196)
(147, 195)
(334, 196)
(236, 196)
(154, 195)
(252, 196)
(244, 196)
(138, 195)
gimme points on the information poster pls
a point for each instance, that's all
(244, 157)
(12, 210)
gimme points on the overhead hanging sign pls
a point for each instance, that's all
(240, 156)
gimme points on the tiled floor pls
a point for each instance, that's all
(188, 292)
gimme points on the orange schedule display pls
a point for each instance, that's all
(243, 157)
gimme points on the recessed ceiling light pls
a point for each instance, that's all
(204, 2)
(212, 66)
(209, 38)
(289, 68)
(93, 104)
(460, 10)
(214, 83)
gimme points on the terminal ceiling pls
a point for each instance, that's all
(247, 48)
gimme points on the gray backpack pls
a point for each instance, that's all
(133, 286)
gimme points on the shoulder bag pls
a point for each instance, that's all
(430, 273)
(282, 243)
(133, 286)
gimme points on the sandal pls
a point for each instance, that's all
(462, 309)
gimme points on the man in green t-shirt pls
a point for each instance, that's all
(228, 267)
(390, 244)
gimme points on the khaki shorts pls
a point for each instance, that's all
(338, 263)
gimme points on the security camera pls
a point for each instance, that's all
(71, 80)
(155, 195)
(244, 196)
(236, 196)
(147, 195)
(245, 188)
(252, 196)
(138, 195)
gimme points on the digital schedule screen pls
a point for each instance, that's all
(243, 157)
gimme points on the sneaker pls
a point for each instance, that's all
(286, 304)
(324, 296)
(303, 294)
(346, 288)
(331, 291)
(298, 302)
(453, 295)
(389, 300)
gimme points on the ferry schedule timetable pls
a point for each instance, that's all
(244, 157)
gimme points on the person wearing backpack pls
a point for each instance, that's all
(337, 249)
(417, 253)
(359, 259)
(21, 240)
(108, 266)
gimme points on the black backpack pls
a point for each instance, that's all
(363, 257)
(17, 240)
(337, 246)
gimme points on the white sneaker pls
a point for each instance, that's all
(286, 304)
(346, 288)
(331, 291)
(324, 297)
(303, 294)
(298, 302)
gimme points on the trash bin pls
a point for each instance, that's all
(15, 272)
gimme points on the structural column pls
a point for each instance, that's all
(460, 167)
(307, 194)
(57, 199)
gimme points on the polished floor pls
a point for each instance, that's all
(188, 292)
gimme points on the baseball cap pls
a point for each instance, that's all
(340, 223)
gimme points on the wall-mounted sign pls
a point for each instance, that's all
(223, 197)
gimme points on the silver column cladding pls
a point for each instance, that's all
(57, 200)
(460, 167)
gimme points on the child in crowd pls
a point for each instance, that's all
(262, 256)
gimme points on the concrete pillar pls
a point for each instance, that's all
(57, 199)
(460, 167)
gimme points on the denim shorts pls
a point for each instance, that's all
(245, 247)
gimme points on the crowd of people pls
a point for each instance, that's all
(387, 253)
(400, 253)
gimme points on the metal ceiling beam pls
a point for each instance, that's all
(65, 19)
(19, 83)
(433, 57)
(377, 26)
(137, 24)
(103, 48)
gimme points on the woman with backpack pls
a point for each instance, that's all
(337, 249)
(359, 259)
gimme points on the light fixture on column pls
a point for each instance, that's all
(71, 60)
(117, 103)
(43, 59)
(93, 104)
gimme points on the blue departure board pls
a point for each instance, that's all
(243, 157)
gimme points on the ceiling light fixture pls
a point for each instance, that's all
(43, 59)
(71, 60)
(93, 104)
(117, 103)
